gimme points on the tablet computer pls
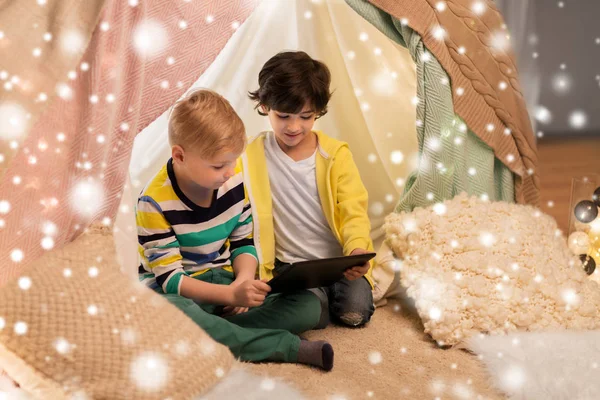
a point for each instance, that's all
(314, 273)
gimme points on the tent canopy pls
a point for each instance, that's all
(423, 122)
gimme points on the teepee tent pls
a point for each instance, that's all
(428, 99)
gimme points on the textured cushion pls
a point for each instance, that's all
(73, 325)
(474, 266)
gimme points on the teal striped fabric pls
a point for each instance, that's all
(452, 159)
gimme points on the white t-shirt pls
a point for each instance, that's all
(301, 229)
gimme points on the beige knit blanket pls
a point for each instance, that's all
(474, 49)
(74, 327)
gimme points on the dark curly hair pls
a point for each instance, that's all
(291, 79)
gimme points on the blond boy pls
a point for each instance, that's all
(195, 231)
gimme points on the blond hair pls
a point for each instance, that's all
(204, 122)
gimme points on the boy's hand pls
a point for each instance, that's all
(356, 272)
(238, 281)
(250, 293)
(229, 311)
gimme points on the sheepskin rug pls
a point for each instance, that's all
(243, 384)
(240, 384)
(540, 365)
(477, 266)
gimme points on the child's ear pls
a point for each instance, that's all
(177, 153)
(264, 108)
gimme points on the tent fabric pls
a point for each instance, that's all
(452, 158)
(38, 51)
(371, 80)
(474, 50)
(72, 166)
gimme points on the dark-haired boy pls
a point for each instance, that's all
(307, 197)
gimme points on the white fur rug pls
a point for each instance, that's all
(243, 384)
(548, 366)
(8, 390)
(240, 384)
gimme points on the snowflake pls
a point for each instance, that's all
(438, 33)
(487, 239)
(437, 386)
(62, 346)
(21, 328)
(578, 119)
(513, 378)
(4, 206)
(478, 7)
(72, 41)
(93, 272)
(182, 348)
(267, 384)
(47, 243)
(64, 91)
(207, 347)
(570, 297)
(128, 336)
(462, 392)
(150, 38)
(13, 121)
(87, 197)
(149, 371)
(435, 313)
(543, 115)
(375, 357)
(24, 282)
(396, 157)
(439, 208)
(376, 209)
(16, 255)
(561, 83)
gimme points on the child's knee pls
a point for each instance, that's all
(353, 310)
(356, 316)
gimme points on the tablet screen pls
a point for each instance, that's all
(314, 273)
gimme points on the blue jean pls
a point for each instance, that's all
(348, 302)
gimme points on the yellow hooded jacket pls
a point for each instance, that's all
(344, 199)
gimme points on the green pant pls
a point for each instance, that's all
(263, 333)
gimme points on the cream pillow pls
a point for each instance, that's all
(73, 327)
(474, 266)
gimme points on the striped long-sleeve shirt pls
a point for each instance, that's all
(177, 237)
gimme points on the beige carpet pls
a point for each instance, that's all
(391, 358)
